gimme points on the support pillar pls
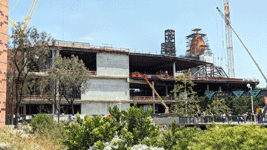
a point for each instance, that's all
(208, 88)
(154, 108)
(220, 88)
(166, 90)
(174, 70)
(153, 93)
(24, 109)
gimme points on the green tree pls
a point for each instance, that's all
(67, 78)
(203, 103)
(73, 78)
(137, 126)
(186, 104)
(27, 54)
(218, 107)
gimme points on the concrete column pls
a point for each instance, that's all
(154, 108)
(153, 93)
(166, 90)
(220, 88)
(208, 87)
(24, 109)
(53, 108)
(174, 70)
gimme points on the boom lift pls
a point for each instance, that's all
(27, 19)
(138, 74)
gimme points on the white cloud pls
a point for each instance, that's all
(87, 38)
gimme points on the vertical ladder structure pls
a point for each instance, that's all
(3, 59)
(229, 41)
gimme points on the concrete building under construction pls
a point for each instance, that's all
(113, 80)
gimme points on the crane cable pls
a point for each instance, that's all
(13, 6)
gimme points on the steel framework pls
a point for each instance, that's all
(168, 48)
(229, 41)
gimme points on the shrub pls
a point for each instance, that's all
(15, 139)
(84, 133)
(136, 128)
(41, 121)
(227, 137)
(46, 128)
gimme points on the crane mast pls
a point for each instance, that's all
(229, 41)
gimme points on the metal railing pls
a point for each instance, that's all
(150, 98)
(170, 77)
(166, 119)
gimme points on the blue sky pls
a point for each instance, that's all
(140, 24)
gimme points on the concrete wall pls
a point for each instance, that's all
(100, 108)
(112, 64)
(107, 89)
(3, 58)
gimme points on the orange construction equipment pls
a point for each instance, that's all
(138, 74)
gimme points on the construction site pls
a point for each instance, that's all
(123, 77)
(120, 77)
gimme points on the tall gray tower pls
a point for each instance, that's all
(168, 47)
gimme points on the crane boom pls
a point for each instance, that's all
(30, 14)
(28, 17)
(229, 24)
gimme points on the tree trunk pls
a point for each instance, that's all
(12, 113)
(16, 115)
(72, 108)
(58, 115)
(30, 104)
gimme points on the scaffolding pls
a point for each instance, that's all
(198, 43)
(168, 47)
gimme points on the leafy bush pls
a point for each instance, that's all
(227, 137)
(84, 133)
(177, 138)
(41, 121)
(136, 128)
(46, 128)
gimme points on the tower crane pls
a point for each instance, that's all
(227, 22)
(28, 18)
(229, 42)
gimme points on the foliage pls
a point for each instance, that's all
(72, 77)
(186, 102)
(226, 137)
(27, 53)
(84, 133)
(203, 103)
(178, 138)
(243, 104)
(14, 139)
(136, 128)
(218, 107)
(45, 127)
(41, 121)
